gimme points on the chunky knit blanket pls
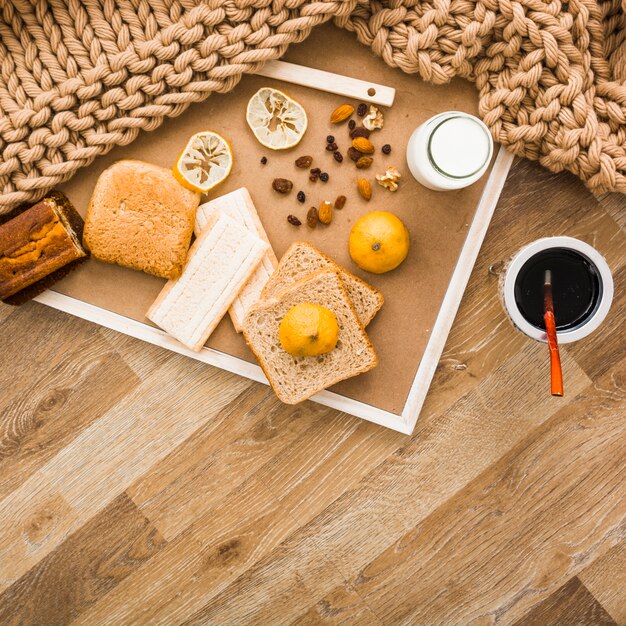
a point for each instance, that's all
(77, 78)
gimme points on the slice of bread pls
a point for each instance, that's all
(239, 206)
(295, 379)
(302, 258)
(141, 217)
(220, 262)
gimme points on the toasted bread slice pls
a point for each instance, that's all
(238, 205)
(220, 262)
(302, 258)
(295, 379)
(141, 217)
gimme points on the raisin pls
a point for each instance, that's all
(263, 160)
(354, 154)
(338, 156)
(293, 220)
(316, 171)
(312, 178)
(312, 217)
(386, 149)
(324, 177)
(364, 162)
(351, 124)
(360, 131)
(304, 162)
(282, 185)
(361, 109)
(331, 147)
(340, 202)
(301, 197)
(330, 139)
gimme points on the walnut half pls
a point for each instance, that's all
(389, 179)
(374, 119)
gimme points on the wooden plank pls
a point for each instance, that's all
(327, 81)
(605, 578)
(571, 605)
(221, 545)
(213, 462)
(84, 569)
(40, 417)
(542, 490)
(105, 458)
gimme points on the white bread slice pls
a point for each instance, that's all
(220, 261)
(238, 205)
(295, 379)
(302, 258)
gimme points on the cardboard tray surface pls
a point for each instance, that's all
(438, 222)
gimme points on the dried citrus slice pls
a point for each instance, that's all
(205, 162)
(276, 120)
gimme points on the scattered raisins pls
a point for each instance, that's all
(359, 131)
(338, 156)
(312, 217)
(331, 147)
(301, 197)
(282, 185)
(263, 160)
(361, 109)
(354, 154)
(293, 220)
(351, 124)
(324, 177)
(304, 162)
(386, 149)
(330, 139)
(340, 202)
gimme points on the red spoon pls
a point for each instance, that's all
(556, 375)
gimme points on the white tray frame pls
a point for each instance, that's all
(403, 423)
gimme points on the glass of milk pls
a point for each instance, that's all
(451, 150)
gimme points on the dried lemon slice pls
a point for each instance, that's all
(276, 120)
(205, 162)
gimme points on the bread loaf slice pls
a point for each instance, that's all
(220, 262)
(302, 258)
(238, 205)
(141, 217)
(295, 379)
(37, 243)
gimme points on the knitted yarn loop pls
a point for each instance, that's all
(78, 78)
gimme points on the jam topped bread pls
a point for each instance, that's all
(37, 243)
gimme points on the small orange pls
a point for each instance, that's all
(379, 242)
(308, 329)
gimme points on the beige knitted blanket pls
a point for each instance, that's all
(77, 78)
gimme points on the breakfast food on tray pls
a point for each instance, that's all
(205, 162)
(220, 262)
(139, 216)
(297, 378)
(276, 120)
(302, 259)
(37, 243)
(238, 206)
(308, 329)
(379, 242)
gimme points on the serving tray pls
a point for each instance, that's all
(421, 297)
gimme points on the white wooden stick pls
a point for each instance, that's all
(327, 81)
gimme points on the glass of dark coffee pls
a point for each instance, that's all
(582, 288)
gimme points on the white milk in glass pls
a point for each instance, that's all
(449, 151)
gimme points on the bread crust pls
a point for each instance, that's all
(273, 300)
(337, 268)
(37, 246)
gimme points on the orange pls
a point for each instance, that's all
(379, 242)
(308, 330)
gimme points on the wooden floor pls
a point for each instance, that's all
(137, 486)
